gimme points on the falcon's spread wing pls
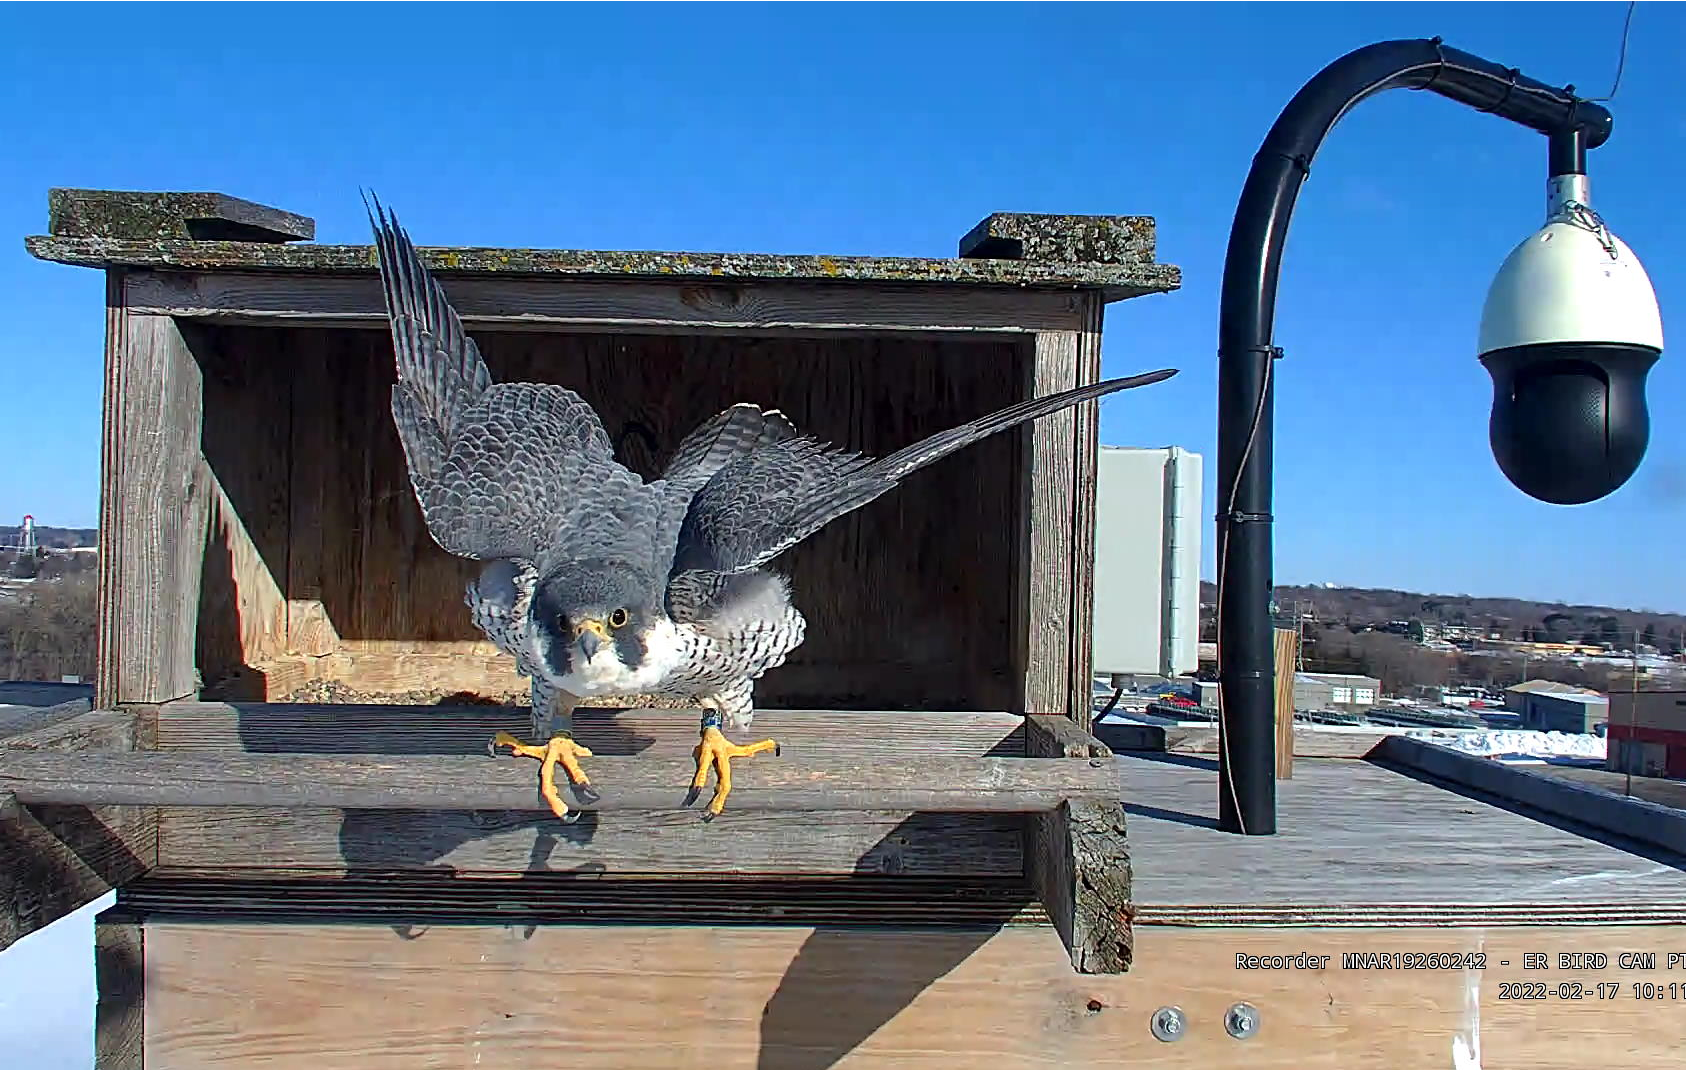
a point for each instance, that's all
(501, 470)
(761, 504)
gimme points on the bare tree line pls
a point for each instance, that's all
(47, 629)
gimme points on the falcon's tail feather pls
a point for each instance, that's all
(440, 371)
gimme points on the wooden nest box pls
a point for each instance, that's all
(289, 648)
(248, 390)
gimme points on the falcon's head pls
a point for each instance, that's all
(592, 616)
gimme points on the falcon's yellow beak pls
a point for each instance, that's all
(590, 634)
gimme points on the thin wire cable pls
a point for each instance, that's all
(1621, 57)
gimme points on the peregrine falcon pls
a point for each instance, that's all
(597, 582)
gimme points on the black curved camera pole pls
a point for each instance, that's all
(1246, 355)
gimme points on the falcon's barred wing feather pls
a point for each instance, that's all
(501, 470)
(760, 505)
(737, 431)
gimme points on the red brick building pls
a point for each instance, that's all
(1647, 733)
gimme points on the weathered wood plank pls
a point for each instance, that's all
(446, 782)
(96, 730)
(1287, 656)
(1049, 494)
(1060, 737)
(380, 729)
(1123, 736)
(581, 304)
(32, 718)
(120, 991)
(255, 993)
(57, 859)
(208, 840)
(1621, 815)
(1085, 462)
(1356, 837)
(1079, 864)
(153, 510)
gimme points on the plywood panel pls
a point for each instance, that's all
(366, 997)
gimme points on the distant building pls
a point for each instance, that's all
(1646, 734)
(1335, 691)
(1516, 695)
(1563, 711)
(1147, 561)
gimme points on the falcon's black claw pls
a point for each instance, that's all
(777, 750)
(708, 815)
(587, 793)
(691, 796)
(571, 817)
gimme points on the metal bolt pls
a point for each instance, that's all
(1168, 1023)
(1242, 1021)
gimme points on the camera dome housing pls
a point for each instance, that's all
(1569, 333)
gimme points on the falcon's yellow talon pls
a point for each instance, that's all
(560, 750)
(715, 749)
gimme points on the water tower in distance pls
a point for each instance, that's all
(24, 566)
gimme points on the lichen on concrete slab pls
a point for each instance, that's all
(138, 215)
(1067, 239)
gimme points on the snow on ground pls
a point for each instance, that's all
(1505, 743)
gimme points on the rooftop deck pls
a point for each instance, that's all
(1363, 841)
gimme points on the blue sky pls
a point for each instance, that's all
(891, 129)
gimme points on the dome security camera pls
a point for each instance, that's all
(1569, 333)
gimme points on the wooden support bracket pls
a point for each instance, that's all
(57, 858)
(1077, 856)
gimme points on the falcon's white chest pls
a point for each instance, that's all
(666, 650)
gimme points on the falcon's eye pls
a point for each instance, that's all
(618, 619)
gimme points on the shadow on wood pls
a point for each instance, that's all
(807, 1026)
(1162, 814)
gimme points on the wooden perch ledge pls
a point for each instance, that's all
(379, 781)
